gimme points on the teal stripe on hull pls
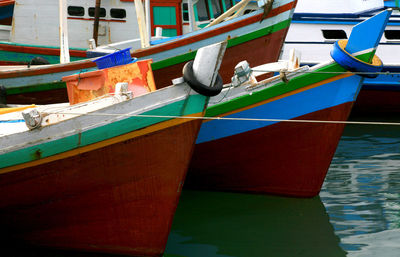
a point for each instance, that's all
(7, 56)
(194, 104)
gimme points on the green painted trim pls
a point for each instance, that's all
(223, 6)
(278, 89)
(231, 42)
(193, 104)
(210, 9)
(273, 91)
(23, 57)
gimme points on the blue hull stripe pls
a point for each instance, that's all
(290, 107)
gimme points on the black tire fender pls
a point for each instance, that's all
(200, 88)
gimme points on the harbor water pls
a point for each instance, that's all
(356, 214)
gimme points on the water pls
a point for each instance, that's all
(356, 214)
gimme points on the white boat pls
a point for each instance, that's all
(315, 27)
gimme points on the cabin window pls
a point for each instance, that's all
(185, 12)
(76, 11)
(118, 13)
(392, 34)
(216, 8)
(202, 11)
(102, 12)
(228, 4)
(334, 34)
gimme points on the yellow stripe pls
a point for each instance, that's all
(15, 109)
(114, 140)
(286, 94)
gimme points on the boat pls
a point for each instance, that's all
(279, 135)
(315, 28)
(258, 30)
(103, 174)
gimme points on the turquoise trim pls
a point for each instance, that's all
(210, 9)
(191, 105)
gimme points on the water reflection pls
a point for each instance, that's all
(362, 190)
(226, 224)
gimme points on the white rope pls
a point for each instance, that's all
(333, 72)
(238, 119)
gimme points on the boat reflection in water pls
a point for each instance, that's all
(362, 190)
(218, 224)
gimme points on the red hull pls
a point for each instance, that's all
(371, 102)
(59, 95)
(118, 199)
(285, 158)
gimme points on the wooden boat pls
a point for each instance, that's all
(253, 31)
(103, 175)
(278, 136)
(315, 28)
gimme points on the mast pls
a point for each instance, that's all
(96, 21)
(63, 28)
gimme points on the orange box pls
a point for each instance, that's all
(86, 86)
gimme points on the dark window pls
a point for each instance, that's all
(185, 12)
(102, 12)
(118, 13)
(392, 34)
(76, 11)
(217, 10)
(228, 4)
(202, 10)
(248, 11)
(334, 34)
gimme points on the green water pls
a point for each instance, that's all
(356, 214)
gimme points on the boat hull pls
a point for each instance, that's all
(117, 199)
(379, 96)
(273, 156)
(282, 159)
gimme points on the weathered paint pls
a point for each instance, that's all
(101, 134)
(96, 183)
(118, 199)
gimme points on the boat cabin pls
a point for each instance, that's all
(36, 22)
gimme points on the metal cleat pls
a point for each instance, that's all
(122, 89)
(242, 73)
(33, 118)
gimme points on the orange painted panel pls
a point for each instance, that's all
(90, 85)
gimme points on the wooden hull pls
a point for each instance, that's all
(118, 199)
(377, 101)
(283, 158)
(379, 96)
(253, 148)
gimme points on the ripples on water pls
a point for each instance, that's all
(361, 192)
(357, 213)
